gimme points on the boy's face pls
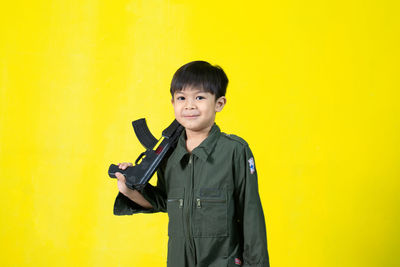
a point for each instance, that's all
(195, 109)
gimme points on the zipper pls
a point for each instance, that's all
(177, 199)
(189, 198)
(189, 204)
(199, 201)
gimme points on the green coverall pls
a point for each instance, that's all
(211, 195)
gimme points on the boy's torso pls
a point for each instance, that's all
(201, 199)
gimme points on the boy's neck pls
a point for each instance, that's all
(194, 138)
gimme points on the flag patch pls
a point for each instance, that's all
(251, 164)
(238, 261)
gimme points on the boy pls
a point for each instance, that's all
(208, 184)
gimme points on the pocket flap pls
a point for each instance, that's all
(211, 193)
(176, 192)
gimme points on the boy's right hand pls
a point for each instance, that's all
(121, 178)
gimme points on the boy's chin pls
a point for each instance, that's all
(195, 127)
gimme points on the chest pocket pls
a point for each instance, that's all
(210, 213)
(175, 200)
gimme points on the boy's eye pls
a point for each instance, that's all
(200, 97)
(180, 98)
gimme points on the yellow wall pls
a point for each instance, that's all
(314, 89)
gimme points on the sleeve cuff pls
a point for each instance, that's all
(124, 206)
(262, 264)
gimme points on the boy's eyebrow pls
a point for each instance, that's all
(196, 91)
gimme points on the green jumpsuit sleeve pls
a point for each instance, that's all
(156, 195)
(250, 212)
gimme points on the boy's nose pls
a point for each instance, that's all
(189, 105)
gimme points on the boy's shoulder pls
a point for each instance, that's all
(234, 139)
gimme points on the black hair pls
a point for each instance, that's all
(200, 74)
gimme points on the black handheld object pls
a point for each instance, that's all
(139, 175)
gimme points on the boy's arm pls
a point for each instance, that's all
(132, 194)
(250, 212)
(157, 195)
(151, 199)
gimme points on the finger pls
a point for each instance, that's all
(122, 177)
(126, 165)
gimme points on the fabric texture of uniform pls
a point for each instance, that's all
(211, 196)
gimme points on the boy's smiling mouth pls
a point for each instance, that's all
(191, 117)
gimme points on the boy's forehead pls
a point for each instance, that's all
(191, 89)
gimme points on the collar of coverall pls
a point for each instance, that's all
(202, 151)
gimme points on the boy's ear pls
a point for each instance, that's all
(220, 103)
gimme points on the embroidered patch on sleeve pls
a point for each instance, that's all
(251, 164)
(238, 261)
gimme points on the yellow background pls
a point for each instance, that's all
(314, 89)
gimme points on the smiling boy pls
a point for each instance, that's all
(208, 185)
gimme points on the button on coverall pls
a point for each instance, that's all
(211, 196)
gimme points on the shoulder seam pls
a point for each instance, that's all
(235, 138)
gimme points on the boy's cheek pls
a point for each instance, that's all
(176, 113)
